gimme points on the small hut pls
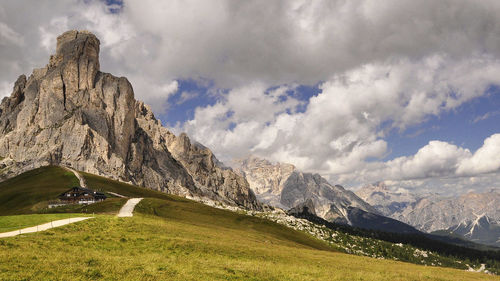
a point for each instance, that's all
(80, 195)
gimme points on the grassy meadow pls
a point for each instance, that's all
(172, 238)
(154, 247)
(31, 191)
(9, 223)
(106, 185)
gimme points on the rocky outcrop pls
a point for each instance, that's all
(282, 185)
(265, 179)
(386, 200)
(306, 207)
(70, 113)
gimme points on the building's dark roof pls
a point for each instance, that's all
(82, 190)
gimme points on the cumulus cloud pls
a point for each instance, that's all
(9, 35)
(236, 43)
(380, 66)
(436, 159)
(159, 93)
(187, 95)
(5, 89)
(440, 166)
(485, 160)
(240, 120)
(344, 125)
(276, 42)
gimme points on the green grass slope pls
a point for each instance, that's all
(195, 214)
(150, 247)
(109, 185)
(9, 223)
(31, 191)
(172, 238)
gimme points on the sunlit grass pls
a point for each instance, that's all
(31, 191)
(9, 223)
(181, 243)
(172, 238)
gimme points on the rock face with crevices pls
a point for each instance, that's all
(70, 113)
(282, 185)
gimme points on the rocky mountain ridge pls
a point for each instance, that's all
(386, 200)
(432, 212)
(70, 113)
(282, 185)
(480, 230)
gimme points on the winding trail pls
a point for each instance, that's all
(83, 183)
(128, 209)
(116, 194)
(43, 227)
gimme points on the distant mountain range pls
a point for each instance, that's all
(284, 186)
(481, 230)
(473, 216)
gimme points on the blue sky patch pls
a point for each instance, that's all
(466, 126)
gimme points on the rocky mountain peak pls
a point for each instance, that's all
(80, 38)
(76, 59)
(282, 185)
(264, 177)
(387, 200)
(70, 113)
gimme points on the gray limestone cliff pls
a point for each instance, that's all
(282, 185)
(70, 113)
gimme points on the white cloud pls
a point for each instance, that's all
(345, 124)
(278, 42)
(157, 94)
(7, 34)
(187, 95)
(379, 69)
(49, 33)
(485, 116)
(485, 160)
(237, 123)
(439, 164)
(6, 89)
(436, 159)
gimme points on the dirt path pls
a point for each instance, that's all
(43, 227)
(116, 194)
(128, 209)
(80, 177)
(83, 183)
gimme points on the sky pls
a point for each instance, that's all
(404, 92)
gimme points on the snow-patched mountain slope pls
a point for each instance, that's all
(482, 229)
(431, 212)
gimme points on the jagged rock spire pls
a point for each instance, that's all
(69, 113)
(76, 59)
